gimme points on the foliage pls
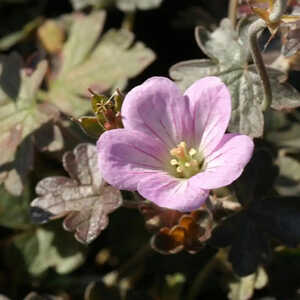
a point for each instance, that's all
(124, 5)
(65, 68)
(229, 60)
(83, 199)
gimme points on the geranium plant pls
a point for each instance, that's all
(180, 182)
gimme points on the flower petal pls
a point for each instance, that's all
(226, 163)
(157, 108)
(210, 106)
(126, 156)
(170, 192)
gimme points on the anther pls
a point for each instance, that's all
(192, 151)
(174, 162)
(179, 169)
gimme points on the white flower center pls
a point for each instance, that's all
(186, 162)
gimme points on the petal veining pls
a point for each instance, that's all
(226, 163)
(157, 108)
(210, 106)
(170, 192)
(126, 156)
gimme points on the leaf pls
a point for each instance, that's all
(131, 5)
(14, 211)
(125, 5)
(229, 61)
(279, 216)
(11, 39)
(20, 118)
(257, 179)
(249, 244)
(84, 199)
(101, 66)
(243, 288)
(288, 181)
(42, 249)
(97, 290)
(287, 138)
(173, 286)
(36, 296)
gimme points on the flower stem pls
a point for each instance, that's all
(131, 203)
(277, 11)
(203, 275)
(254, 29)
(128, 21)
(232, 11)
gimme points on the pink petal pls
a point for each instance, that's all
(157, 108)
(226, 163)
(170, 192)
(126, 156)
(210, 106)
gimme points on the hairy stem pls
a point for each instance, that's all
(278, 10)
(232, 11)
(254, 29)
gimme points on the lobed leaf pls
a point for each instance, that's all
(229, 60)
(42, 249)
(21, 118)
(84, 199)
(243, 288)
(125, 5)
(100, 66)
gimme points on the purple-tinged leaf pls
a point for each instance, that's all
(84, 198)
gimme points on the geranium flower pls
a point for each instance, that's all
(173, 148)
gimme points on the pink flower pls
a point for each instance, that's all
(173, 148)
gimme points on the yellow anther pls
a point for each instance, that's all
(179, 169)
(187, 165)
(174, 162)
(192, 151)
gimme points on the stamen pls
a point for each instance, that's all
(192, 151)
(179, 169)
(174, 162)
(187, 162)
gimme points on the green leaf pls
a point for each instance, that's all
(20, 118)
(286, 138)
(279, 216)
(44, 248)
(229, 61)
(11, 39)
(100, 66)
(173, 286)
(243, 288)
(288, 181)
(99, 291)
(90, 126)
(14, 211)
(131, 5)
(125, 5)
(36, 296)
